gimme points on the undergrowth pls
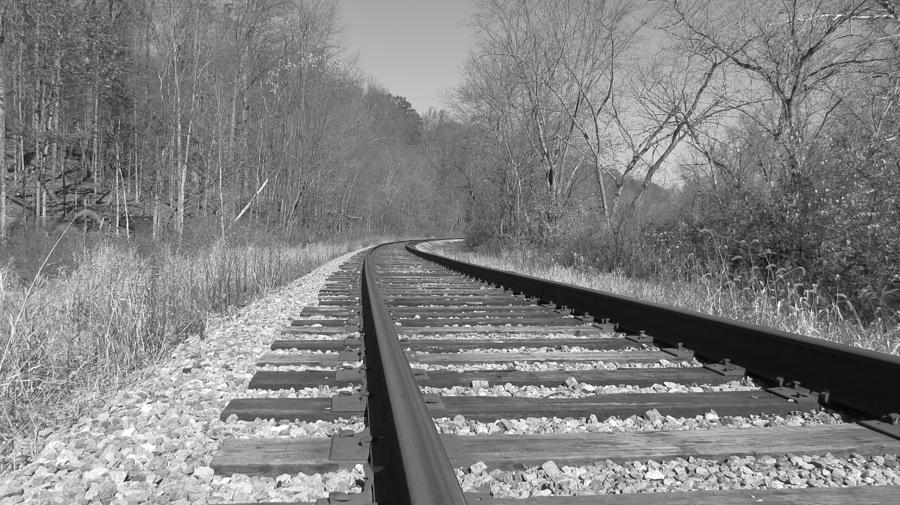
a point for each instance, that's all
(764, 296)
(117, 309)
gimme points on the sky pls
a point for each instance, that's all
(414, 48)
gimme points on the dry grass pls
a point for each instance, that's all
(77, 334)
(760, 300)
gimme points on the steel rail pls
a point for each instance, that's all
(862, 380)
(410, 463)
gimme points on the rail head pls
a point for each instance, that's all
(406, 447)
(860, 379)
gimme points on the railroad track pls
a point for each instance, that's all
(539, 389)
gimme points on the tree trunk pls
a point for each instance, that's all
(604, 207)
(137, 158)
(3, 223)
(180, 165)
(53, 125)
(118, 209)
(237, 102)
(37, 123)
(95, 138)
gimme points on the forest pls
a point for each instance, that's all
(150, 115)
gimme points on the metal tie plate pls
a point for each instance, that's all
(726, 368)
(355, 403)
(350, 446)
(679, 352)
(346, 356)
(795, 394)
(605, 325)
(641, 338)
(347, 499)
(888, 425)
(350, 375)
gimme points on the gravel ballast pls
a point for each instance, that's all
(544, 366)
(652, 420)
(488, 335)
(575, 389)
(153, 441)
(680, 474)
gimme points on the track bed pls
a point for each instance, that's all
(540, 403)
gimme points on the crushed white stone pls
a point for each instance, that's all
(575, 389)
(270, 428)
(680, 474)
(538, 350)
(652, 420)
(308, 368)
(316, 317)
(317, 336)
(154, 440)
(305, 352)
(504, 336)
(544, 366)
(483, 334)
(309, 392)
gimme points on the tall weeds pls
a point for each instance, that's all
(114, 312)
(765, 297)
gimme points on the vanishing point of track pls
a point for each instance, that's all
(427, 321)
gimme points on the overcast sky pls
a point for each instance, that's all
(414, 48)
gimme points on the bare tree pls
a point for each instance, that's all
(791, 54)
(515, 40)
(570, 80)
(631, 112)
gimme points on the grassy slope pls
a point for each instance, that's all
(77, 334)
(712, 294)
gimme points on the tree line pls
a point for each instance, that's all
(153, 114)
(773, 125)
